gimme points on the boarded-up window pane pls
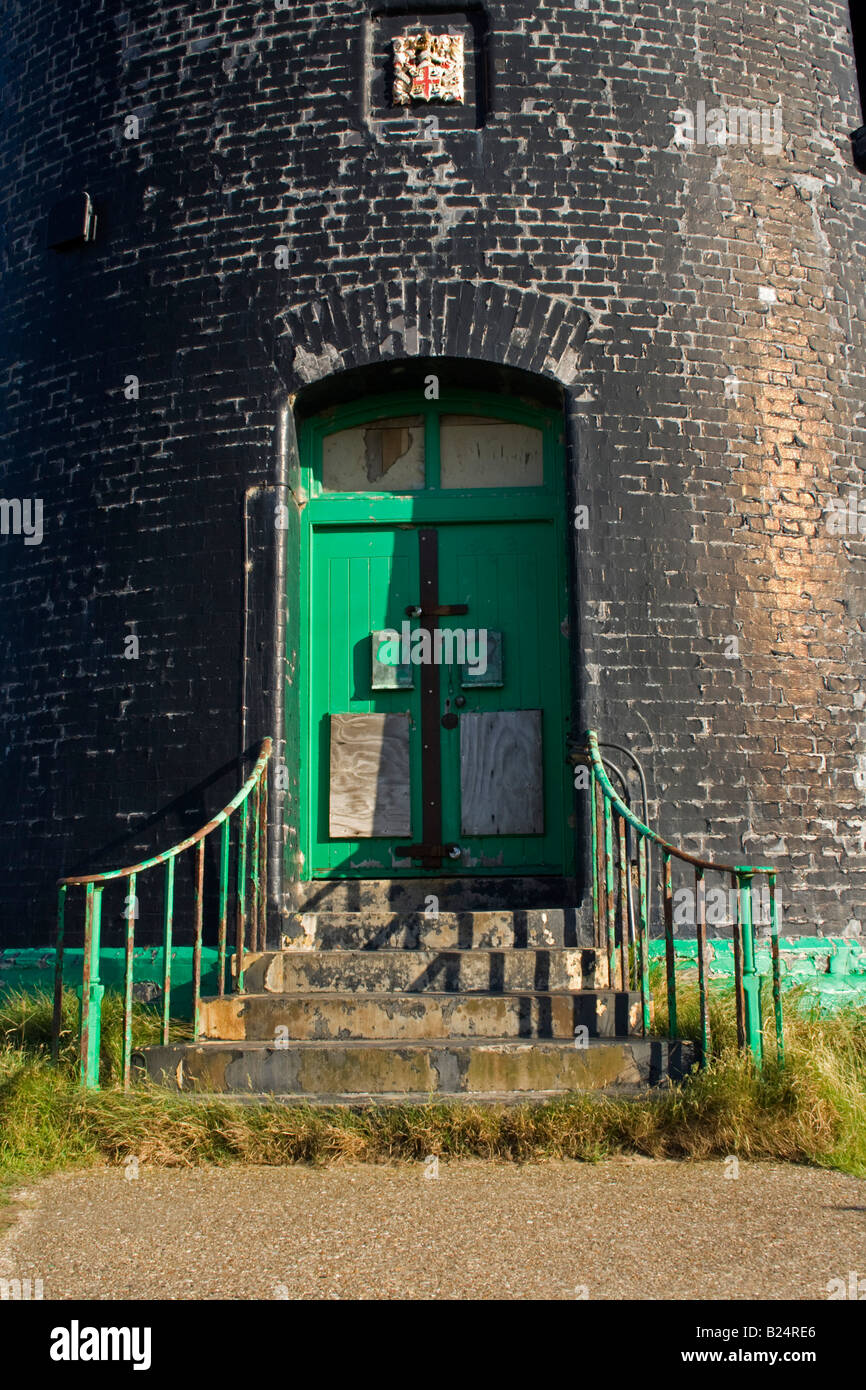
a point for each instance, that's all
(383, 456)
(478, 452)
(501, 777)
(369, 776)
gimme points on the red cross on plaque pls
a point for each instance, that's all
(426, 82)
(427, 67)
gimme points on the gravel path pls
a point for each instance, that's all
(625, 1228)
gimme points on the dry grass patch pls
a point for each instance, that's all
(811, 1111)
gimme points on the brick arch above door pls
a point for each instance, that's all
(483, 320)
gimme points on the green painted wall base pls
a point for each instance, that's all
(832, 969)
(34, 969)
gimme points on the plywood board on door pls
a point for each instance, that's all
(369, 776)
(501, 773)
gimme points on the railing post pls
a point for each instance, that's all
(593, 850)
(609, 899)
(751, 979)
(601, 915)
(623, 907)
(263, 861)
(254, 870)
(241, 899)
(631, 867)
(128, 967)
(738, 969)
(643, 899)
(777, 973)
(167, 926)
(670, 953)
(91, 990)
(198, 896)
(701, 935)
(223, 905)
(58, 974)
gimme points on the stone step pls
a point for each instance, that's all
(375, 930)
(413, 971)
(337, 1016)
(487, 1068)
(456, 894)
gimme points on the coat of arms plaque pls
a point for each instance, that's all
(428, 67)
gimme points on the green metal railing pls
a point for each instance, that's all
(250, 901)
(621, 878)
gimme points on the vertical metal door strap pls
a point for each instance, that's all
(431, 760)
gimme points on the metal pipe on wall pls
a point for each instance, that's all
(278, 732)
(276, 798)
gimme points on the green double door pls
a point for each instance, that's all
(436, 700)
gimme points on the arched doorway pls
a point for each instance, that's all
(433, 647)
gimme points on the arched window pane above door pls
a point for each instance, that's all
(435, 452)
(382, 456)
(476, 451)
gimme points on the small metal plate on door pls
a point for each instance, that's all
(485, 670)
(387, 673)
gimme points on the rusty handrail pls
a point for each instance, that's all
(634, 883)
(638, 825)
(251, 868)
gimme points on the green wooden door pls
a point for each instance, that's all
(362, 580)
(501, 775)
(433, 646)
(505, 775)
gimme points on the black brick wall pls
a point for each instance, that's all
(261, 127)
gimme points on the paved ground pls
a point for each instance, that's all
(627, 1228)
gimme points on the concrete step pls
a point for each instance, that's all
(337, 1016)
(486, 1068)
(377, 929)
(413, 971)
(456, 894)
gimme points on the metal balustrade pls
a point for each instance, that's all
(622, 848)
(249, 892)
(621, 854)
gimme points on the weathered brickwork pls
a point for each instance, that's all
(702, 309)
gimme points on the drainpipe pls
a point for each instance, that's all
(580, 714)
(276, 794)
(278, 681)
(255, 491)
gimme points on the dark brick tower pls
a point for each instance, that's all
(215, 223)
